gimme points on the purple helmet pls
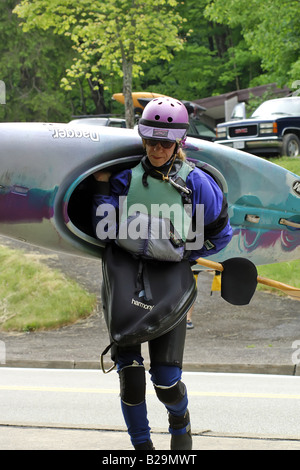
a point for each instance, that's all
(164, 118)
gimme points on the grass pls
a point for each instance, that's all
(291, 164)
(35, 297)
(288, 273)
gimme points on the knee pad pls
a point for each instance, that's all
(132, 384)
(171, 395)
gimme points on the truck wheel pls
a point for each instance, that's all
(290, 146)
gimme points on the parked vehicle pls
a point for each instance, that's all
(274, 128)
(197, 128)
(100, 121)
(200, 130)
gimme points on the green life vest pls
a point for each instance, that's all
(159, 199)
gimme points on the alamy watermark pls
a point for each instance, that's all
(2, 353)
(134, 223)
(2, 92)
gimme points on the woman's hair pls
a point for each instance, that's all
(179, 153)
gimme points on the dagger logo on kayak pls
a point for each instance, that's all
(75, 134)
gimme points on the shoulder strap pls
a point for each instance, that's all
(179, 182)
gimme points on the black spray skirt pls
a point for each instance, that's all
(143, 299)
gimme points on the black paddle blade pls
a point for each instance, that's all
(239, 281)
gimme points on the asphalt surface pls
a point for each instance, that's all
(262, 337)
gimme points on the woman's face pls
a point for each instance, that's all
(159, 151)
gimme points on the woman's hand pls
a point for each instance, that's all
(102, 175)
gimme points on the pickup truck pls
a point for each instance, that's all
(273, 128)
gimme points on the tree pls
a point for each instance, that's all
(118, 36)
(214, 59)
(32, 65)
(271, 30)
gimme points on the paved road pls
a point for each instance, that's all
(41, 404)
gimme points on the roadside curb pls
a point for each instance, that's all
(268, 369)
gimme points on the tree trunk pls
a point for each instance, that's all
(97, 97)
(127, 91)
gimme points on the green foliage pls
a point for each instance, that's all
(215, 59)
(28, 65)
(32, 65)
(271, 30)
(108, 37)
(68, 57)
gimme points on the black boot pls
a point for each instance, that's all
(181, 441)
(144, 446)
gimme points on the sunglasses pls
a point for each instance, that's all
(164, 143)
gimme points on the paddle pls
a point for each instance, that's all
(239, 280)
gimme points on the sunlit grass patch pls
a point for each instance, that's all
(33, 296)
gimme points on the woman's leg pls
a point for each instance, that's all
(133, 390)
(166, 354)
(171, 391)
